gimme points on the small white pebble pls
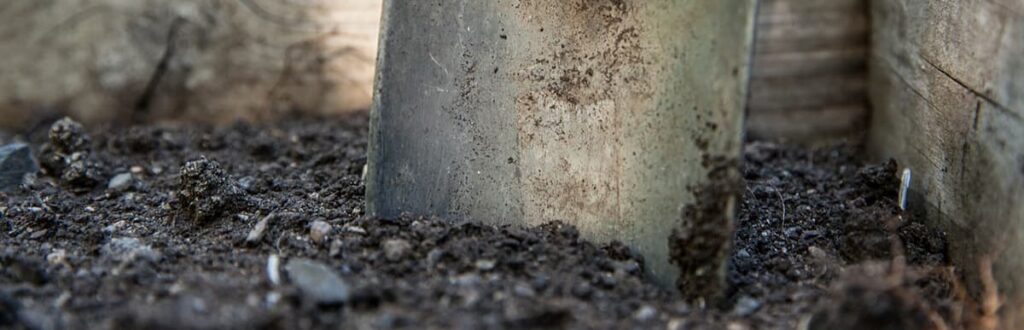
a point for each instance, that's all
(176, 288)
(355, 230)
(57, 257)
(318, 231)
(274, 269)
(645, 313)
(485, 264)
(273, 298)
(62, 299)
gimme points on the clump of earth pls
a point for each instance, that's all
(263, 226)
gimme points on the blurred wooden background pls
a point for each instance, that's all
(216, 61)
(142, 60)
(809, 74)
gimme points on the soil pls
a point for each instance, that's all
(191, 238)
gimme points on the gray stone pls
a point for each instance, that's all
(129, 249)
(317, 282)
(256, 234)
(645, 313)
(746, 306)
(485, 264)
(319, 230)
(120, 181)
(396, 249)
(16, 162)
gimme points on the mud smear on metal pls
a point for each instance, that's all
(700, 246)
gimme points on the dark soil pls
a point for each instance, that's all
(819, 242)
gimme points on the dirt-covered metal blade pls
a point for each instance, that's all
(621, 117)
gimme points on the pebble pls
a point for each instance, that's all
(319, 230)
(129, 249)
(645, 313)
(737, 326)
(607, 280)
(38, 234)
(582, 290)
(335, 249)
(247, 184)
(273, 298)
(434, 256)
(114, 227)
(817, 252)
(792, 232)
(396, 249)
(256, 234)
(524, 291)
(469, 279)
(16, 162)
(629, 266)
(485, 264)
(355, 230)
(57, 257)
(317, 282)
(274, 269)
(120, 181)
(746, 306)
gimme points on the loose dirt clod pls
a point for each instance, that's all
(68, 155)
(872, 297)
(68, 136)
(207, 191)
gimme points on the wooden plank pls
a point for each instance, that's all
(786, 93)
(809, 61)
(819, 125)
(949, 104)
(851, 60)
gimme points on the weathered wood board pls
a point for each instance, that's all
(947, 87)
(101, 60)
(808, 83)
(608, 115)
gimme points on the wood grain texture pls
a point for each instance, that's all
(809, 64)
(945, 83)
(214, 61)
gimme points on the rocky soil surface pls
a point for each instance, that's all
(241, 227)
